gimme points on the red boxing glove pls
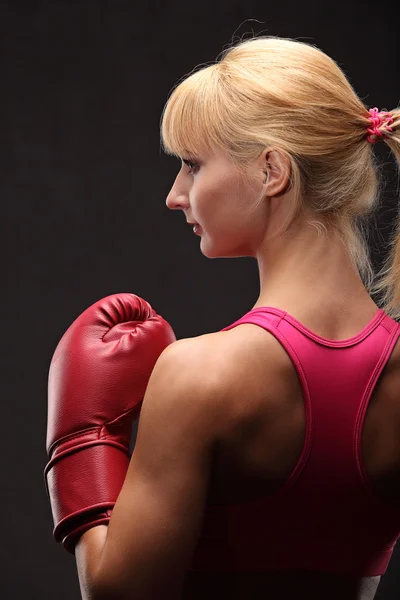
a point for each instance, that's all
(97, 380)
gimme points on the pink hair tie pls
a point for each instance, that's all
(377, 120)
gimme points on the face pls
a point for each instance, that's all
(227, 207)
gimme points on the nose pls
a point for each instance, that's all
(177, 199)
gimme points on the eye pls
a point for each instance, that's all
(192, 166)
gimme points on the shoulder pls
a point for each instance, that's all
(212, 359)
(202, 363)
(210, 372)
(189, 387)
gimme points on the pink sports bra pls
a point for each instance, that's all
(326, 516)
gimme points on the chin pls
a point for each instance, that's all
(219, 252)
(209, 254)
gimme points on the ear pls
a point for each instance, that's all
(277, 168)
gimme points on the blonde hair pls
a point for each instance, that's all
(271, 91)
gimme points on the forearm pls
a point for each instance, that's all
(88, 553)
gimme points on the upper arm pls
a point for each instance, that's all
(158, 515)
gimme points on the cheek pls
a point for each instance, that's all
(229, 236)
(206, 207)
(225, 206)
(212, 192)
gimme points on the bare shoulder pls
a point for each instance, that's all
(226, 366)
(205, 361)
(217, 357)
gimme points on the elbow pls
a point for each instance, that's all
(105, 594)
(103, 591)
(113, 592)
(109, 590)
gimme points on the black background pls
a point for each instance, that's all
(83, 185)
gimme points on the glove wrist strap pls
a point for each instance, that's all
(83, 483)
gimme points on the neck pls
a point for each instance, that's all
(308, 270)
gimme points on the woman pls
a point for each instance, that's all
(267, 463)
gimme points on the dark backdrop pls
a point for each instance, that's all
(83, 186)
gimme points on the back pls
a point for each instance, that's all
(291, 506)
